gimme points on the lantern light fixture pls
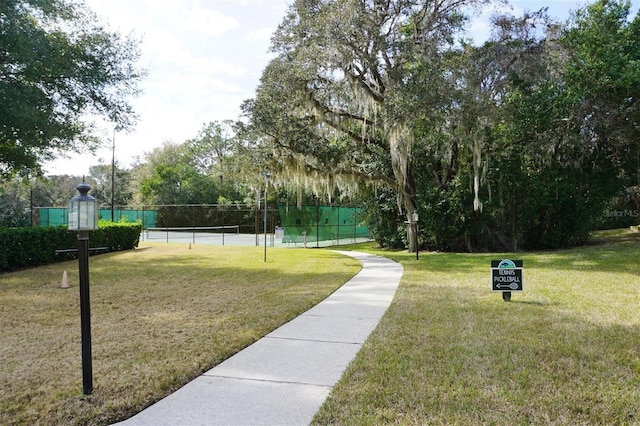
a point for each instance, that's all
(83, 211)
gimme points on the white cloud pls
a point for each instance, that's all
(207, 22)
(205, 57)
(262, 35)
(213, 66)
(161, 46)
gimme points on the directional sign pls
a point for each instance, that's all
(506, 275)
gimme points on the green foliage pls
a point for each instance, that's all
(381, 215)
(14, 203)
(623, 210)
(205, 215)
(338, 104)
(19, 193)
(23, 247)
(101, 174)
(32, 246)
(171, 178)
(116, 236)
(58, 64)
(446, 221)
(203, 170)
(603, 79)
(541, 135)
(57, 190)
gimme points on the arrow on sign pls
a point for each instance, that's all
(512, 286)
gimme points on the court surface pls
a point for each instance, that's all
(231, 237)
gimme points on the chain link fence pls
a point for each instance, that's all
(308, 226)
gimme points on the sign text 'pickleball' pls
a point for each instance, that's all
(506, 275)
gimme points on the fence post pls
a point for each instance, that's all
(338, 230)
(353, 217)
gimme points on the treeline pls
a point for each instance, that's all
(204, 170)
(529, 140)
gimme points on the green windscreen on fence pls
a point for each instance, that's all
(57, 216)
(293, 224)
(50, 216)
(321, 223)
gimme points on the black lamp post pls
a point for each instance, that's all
(266, 186)
(83, 217)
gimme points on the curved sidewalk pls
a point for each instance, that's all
(284, 378)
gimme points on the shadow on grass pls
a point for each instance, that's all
(185, 261)
(531, 302)
(159, 319)
(609, 251)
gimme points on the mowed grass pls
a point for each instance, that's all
(450, 351)
(161, 315)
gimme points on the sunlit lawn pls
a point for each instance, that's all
(450, 351)
(161, 315)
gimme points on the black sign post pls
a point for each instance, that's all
(506, 276)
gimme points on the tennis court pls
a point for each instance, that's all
(230, 235)
(287, 225)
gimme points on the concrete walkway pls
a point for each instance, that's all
(284, 378)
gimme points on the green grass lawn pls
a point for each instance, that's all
(566, 350)
(161, 315)
(448, 350)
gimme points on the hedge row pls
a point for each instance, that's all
(26, 247)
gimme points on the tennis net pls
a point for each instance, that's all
(191, 233)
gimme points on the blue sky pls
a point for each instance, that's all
(204, 57)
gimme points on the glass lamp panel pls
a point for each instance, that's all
(88, 217)
(83, 215)
(73, 216)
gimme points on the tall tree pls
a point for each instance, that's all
(15, 202)
(211, 147)
(206, 169)
(341, 102)
(58, 66)
(542, 132)
(603, 79)
(21, 195)
(218, 153)
(57, 190)
(172, 175)
(122, 191)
